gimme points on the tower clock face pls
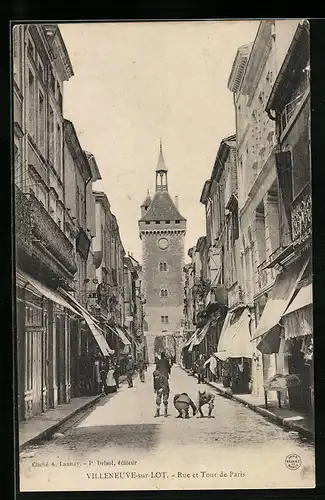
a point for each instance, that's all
(163, 243)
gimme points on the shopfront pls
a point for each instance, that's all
(298, 332)
(285, 331)
(235, 351)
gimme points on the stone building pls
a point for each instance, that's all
(162, 229)
(109, 258)
(133, 306)
(251, 80)
(80, 172)
(285, 329)
(45, 256)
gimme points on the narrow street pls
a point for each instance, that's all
(120, 442)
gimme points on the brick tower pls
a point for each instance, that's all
(162, 230)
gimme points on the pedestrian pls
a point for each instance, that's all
(110, 384)
(141, 369)
(130, 371)
(163, 365)
(117, 373)
(205, 398)
(182, 403)
(200, 369)
(161, 389)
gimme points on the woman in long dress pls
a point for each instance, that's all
(110, 383)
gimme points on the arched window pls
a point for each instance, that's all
(162, 266)
(164, 292)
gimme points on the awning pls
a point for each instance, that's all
(201, 334)
(119, 332)
(92, 325)
(53, 295)
(303, 298)
(279, 298)
(235, 337)
(190, 340)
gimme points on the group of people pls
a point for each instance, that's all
(110, 373)
(182, 401)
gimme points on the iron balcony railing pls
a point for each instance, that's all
(34, 224)
(301, 217)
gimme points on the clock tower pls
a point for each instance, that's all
(162, 230)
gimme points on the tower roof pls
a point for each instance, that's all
(162, 208)
(161, 167)
(147, 201)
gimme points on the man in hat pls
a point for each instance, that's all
(130, 371)
(161, 388)
(205, 398)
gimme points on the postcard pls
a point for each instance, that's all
(164, 307)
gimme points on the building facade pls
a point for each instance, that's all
(291, 340)
(162, 229)
(109, 259)
(45, 256)
(251, 80)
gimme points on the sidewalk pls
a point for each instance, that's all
(288, 419)
(45, 424)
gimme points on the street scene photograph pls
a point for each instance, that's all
(163, 253)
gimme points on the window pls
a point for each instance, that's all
(51, 81)
(59, 95)
(58, 161)
(40, 67)
(177, 221)
(31, 105)
(42, 195)
(41, 123)
(164, 319)
(167, 221)
(147, 222)
(59, 219)
(18, 166)
(157, 221)
(16, 54)
(163, 292)
(294, 100)
(162, 266)
(31, 48)
(51, 136)
(78, 207)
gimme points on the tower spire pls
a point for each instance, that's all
(161, 171)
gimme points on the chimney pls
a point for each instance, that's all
(176, 201)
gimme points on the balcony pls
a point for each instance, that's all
(35, 226)
(301, 216)
(23, 224)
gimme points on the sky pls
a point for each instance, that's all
(135, 83)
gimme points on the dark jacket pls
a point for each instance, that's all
(160, 381)
(130, 366)
(163, 366)
(141, 365)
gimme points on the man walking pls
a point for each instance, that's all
(130, 371)
(163, 365)
(161, 389)
(141, 369)
(200, 369)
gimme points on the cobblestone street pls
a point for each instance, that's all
(119, 440)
